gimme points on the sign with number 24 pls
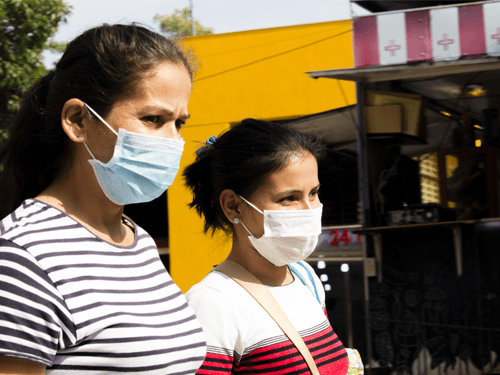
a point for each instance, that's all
(342, 237)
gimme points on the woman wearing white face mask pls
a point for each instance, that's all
(82, 288)
(259, 182)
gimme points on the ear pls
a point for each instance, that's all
(229, 202)
(74, 121)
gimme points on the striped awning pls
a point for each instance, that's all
(432, 34)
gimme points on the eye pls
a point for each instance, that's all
(313, 194)
(154, 119)
(179, 124)
(288, 199)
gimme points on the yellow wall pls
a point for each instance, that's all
(260, 74)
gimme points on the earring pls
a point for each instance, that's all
(236, 220)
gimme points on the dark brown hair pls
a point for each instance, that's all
(97, 67)
(240, 160)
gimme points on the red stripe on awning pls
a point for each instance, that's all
(418, 36)
(471, 26)
(365, 37)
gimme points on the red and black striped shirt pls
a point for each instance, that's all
(243, 339)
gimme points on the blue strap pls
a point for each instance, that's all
(296, 273)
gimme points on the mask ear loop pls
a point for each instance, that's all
(244, 226)
(100, 118)
(90, 152)
(104, 122)
(250, 204)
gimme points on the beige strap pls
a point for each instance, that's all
(264, 297)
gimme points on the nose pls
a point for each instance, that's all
(308, 204)
(171, 131)
(305, 205)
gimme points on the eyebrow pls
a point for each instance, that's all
(157, 108)
(287, 192)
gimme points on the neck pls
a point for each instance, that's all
(86, 203)
(243, 253)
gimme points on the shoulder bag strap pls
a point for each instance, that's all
(264, 297)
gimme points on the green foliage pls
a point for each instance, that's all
(52, 45)
(178, 24)
(25, 27)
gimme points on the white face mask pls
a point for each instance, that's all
(289, 235)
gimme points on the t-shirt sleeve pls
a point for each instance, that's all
(34, 319)
(220, 326)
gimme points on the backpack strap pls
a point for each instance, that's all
(264, 297)
(296, 273)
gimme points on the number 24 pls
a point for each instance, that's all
(345, 237)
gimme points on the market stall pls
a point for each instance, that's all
(428, 141)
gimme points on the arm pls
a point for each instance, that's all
(16, 366)
(32, 311)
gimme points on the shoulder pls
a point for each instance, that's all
(34, 220)
(214, 287)
(14, 255)
(22, 271)
(19, 217)
(214, 302)
(219, 300)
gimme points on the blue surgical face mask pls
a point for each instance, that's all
(141, 169)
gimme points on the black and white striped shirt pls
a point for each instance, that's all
(80, 305)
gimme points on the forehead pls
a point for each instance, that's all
(167, 82)
(299, 173)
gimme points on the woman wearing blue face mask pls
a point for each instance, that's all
(263, 309)
(82, 289)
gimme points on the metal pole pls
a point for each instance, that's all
(193, 30)
(363, 178)
(347, 294)
(364, 190)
